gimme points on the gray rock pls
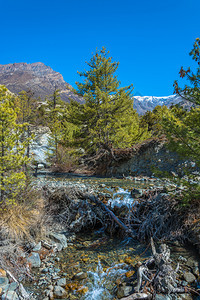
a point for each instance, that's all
(60, 238)
(10, 295)
(56, 277)
(80, 276)
(61, 282)
(57, 270)
(3, 282)
(189, 277)
(185, 297)
(37, 247)
(162, 297)
(10, 287)
(124, 291)
(45, 270)
(59, 292)
(34, 259)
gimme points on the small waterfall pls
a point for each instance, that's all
(102, 283)
(122, 197)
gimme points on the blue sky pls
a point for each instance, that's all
(150, 39)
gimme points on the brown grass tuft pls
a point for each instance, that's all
(23, 220)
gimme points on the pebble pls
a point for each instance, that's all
(34, 259)
(189, 277)
(61, 282)
(3, 282)
(37, 247)
(80, 276)
(59, 292)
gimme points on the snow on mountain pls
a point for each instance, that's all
(144, 103)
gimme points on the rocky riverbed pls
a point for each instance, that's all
(84, 255)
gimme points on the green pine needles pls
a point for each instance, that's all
(12, 150)
(107, 119)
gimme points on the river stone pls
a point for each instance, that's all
(11, 287)
(3, 282)
(10, 295)
(162, 297)
(61, 282)
(124, 291)
(80, 276)
(60, 238)
(34, 259)
(59, 292)
(37, 247)
(185, 297)
(189, 277)
(137, 296)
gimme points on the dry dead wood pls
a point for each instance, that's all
(114, 217)
(162, 278)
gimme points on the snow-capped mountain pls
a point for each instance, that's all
(144, 103)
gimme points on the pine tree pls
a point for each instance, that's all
(27, 114)
(55, 112)
(107, 118)
(191, 92)
(183, 130)
(12, 150)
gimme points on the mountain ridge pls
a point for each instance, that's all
(38, 77)
(147, 103)
(42, 80)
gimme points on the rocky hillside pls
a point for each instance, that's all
(38, 77)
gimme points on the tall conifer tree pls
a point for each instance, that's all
(107, 117)
(12, 150)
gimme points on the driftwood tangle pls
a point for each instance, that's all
(114, 217)
(163, 278)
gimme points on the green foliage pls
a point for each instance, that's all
(184, 133)
(191, 194)
(191, 92)
(153, 120)
(183, 128)
(27, 107)
(12, 150)
(54, 123)
(107, 119)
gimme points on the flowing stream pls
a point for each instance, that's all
(95, 264)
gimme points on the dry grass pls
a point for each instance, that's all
(25, 219)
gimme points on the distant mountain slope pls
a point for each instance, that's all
(38, 77)
(145, 103)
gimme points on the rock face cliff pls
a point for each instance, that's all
(151, 156)
(38, 77)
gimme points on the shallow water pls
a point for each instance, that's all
(105, 261)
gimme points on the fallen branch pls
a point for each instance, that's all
(116, 219)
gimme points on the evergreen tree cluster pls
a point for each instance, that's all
(105, 120)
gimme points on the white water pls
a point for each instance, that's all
(101, 283)
(122, 197)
